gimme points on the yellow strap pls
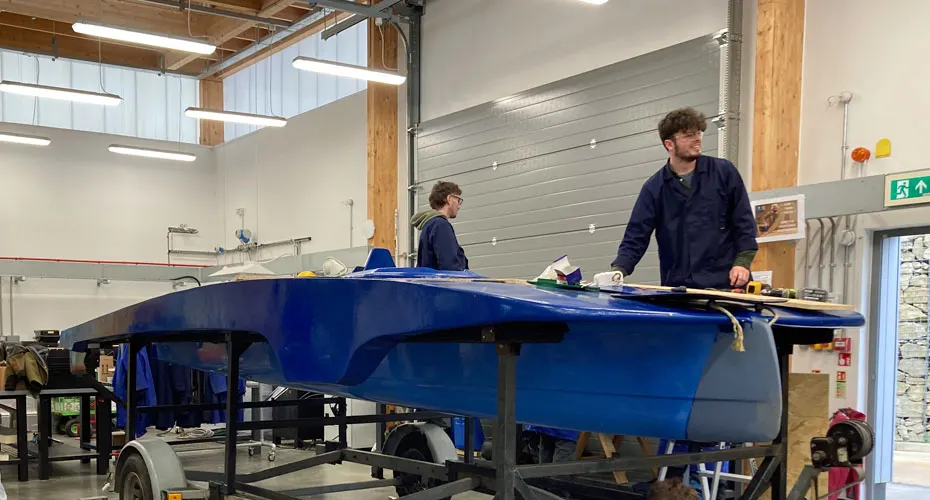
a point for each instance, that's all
(737, 328)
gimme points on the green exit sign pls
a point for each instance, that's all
(907, 188)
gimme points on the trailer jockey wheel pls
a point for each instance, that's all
(134, 480)
(414, 447)
(846, 444)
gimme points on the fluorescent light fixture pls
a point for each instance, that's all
(32, 140)
(151, 153)
(349, 70)
(595, 2)
(231, 116)
(30, 89)
(143, 38)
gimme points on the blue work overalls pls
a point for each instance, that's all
(699, 232)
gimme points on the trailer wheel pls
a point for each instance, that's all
(414, 447)
(134, 480)
(73, 427)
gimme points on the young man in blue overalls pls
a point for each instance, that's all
(699, 209)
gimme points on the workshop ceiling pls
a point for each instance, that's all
(240, 29)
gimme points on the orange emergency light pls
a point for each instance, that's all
(860, 155)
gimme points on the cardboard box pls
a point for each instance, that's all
(106, 369)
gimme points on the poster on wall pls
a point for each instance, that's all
(779, 219)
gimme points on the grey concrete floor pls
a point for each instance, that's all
(74, 481)
(906, 492)
(912, 468)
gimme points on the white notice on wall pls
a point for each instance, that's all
(762, 277)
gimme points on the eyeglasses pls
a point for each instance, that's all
(690, 136)
(459, 198)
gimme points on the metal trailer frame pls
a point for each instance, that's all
(227, 483)
(447, 475)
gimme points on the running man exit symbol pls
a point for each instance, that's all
(902, 189)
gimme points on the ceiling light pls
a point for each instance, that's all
(33, 90)
(232, 116)
(143, 38)
(33, 140)
(151, 153)
(349, 70)
(595, 2)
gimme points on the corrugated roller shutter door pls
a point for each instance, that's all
(555, 170)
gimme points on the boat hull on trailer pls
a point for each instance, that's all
(622, 366)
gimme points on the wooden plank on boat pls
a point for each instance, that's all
(704, 294)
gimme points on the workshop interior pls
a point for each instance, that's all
(433, 249)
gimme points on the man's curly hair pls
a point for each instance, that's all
(681, 120)
(671, 489)
(441, 191)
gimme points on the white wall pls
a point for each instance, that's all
(875, 54)
(292, 181)
(476, 51)
(273, 87)
(152, 104)
(76, 200)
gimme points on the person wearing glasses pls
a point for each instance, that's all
(699, 209)
(438, 247)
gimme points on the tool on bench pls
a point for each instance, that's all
(759, 288)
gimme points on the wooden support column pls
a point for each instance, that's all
(211, 97)
(382, 138)
(776, 135)
(777, 117)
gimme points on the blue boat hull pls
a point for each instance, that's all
(623, 366)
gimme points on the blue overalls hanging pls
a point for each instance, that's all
(145, 388)
(172, 387)
(215, 391)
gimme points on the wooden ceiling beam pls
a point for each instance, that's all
(290, 14)
(250, 7)
(37, 42)
(295, 38)
(235, 45)
(10, 21)
(123, 13)
(226, 29)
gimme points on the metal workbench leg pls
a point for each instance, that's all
(104, 413)
(22, 438)
(45, 435)
(380, 429)
(85, 430)
(234, 349)
(469, 439)
(255, 414)
(780, 477)
(132, 400)
(343, 427)
(505, 428)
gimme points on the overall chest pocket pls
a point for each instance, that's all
(709, 211)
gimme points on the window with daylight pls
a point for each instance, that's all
(273, 87)
(152, 107)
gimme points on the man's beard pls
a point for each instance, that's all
(685, 157)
